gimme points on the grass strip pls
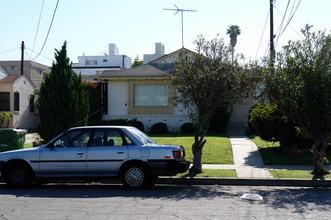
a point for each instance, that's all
(217, 149)
(210, 173)
(303, 174)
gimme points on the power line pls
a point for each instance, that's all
(38, 55)
(265, 24)
(41, 11)
(49, 29)
(291, 17)
(281, 24)
(10, 50)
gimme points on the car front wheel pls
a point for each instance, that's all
(18, 176)
(135, 176)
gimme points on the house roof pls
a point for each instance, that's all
(10, 79)
(179, 51)
(145, 70)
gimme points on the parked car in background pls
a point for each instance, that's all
(94, 152)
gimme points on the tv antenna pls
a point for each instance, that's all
(181, 11)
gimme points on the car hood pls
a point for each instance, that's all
(7, 154)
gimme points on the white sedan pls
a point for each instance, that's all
(94, 152)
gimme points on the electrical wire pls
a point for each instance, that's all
(36, 53)
(41, 11)
(281, 24)
(291, 17)
(10, 50)
(265, 24)
(49, 29)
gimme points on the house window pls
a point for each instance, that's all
(91, 62)
(105, 60)
(4, 101)
(31, 103)
(16, 101)
(151, 95)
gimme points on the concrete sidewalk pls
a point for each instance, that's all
(248, 162)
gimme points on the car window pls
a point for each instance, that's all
(74, 138)
(144, 138)
(107, 137)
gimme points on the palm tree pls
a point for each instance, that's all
(233, 31)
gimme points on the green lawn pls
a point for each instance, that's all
(217, 149)
(272, 154)
(304, 174)
(210, 173)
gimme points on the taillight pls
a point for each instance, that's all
(178, 154)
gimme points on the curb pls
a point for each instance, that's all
(244, 182)
(239, 181)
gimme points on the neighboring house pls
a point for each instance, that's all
(159, 52)
(145, 93)
(3, 73)
(32, 70)
(17, 96)
(91, 67)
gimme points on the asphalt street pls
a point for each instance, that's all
(104, 201)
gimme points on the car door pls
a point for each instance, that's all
(66, 156)
(108, 149)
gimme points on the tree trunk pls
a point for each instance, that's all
(197, 151)
(319, 149)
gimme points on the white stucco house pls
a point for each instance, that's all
(144, 93)
(17, 96)
(90, 67)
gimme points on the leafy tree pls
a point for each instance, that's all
(301, 85)
(137, 62)
(205, 81)
(63, 100)
(233, 31)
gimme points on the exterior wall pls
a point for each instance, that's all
(23, 118)
(34, 71)
(159, 52)
(95, 65)
(121, 105)
(118, 97)
(8, 87)
(241, 110)
(3, 73)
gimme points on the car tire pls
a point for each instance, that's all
(18, 175)
(135, 176)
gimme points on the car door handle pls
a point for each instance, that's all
(80, 153)
(120, 152)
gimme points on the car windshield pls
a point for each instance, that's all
(142, 136)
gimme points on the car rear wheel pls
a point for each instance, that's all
(18, 175)
(135, 176)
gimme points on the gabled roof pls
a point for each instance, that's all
(145, 70)
(181, 52)
(10, 79)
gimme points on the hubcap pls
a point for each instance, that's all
(134, 176)
(18, 175)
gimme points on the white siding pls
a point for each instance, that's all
(118, 98)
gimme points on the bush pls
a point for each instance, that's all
(124, 122)
(271, 125)
(187, 128)
(159, 128)
(5, 118)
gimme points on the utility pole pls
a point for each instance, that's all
(181, 11)
(272, 47)
(22, 58)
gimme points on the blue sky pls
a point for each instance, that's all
(135, 25)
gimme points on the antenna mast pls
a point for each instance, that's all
(181, 11)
